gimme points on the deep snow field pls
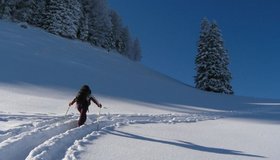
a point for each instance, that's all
(146, 115)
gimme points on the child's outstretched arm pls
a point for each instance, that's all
(95, 101)
(73, 101)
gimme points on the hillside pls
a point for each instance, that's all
(41, 73)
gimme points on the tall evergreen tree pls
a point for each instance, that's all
(62, 17)
(125, 42)
(135, 52)
(7, 9)
(72, 18)
(212, 61)
(201, 58)
(54, 14)
(116, 30)
(37, 18)
(100, 25)
(83, 27)
(24, 10)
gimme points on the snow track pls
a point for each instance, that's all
(108, 123)
(68, 145)
(51, 138)
(28, 139)
(31, 122)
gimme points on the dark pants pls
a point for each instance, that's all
(83, 115)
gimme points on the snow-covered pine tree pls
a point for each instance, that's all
(29, 11)
(201, 77)
(116, 29)
(62, 17)
(212, 61)
(83, 27)
(4, 10)
(125, 42)
(82, 32)
(37, 18)
(136, 49)
(53, 16)
(24, 10)
(7, 8)
(72, 18)
(223, 75)
(100, 25)
(2, 3)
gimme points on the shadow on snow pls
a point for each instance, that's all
(184, 144)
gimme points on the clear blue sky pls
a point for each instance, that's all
(169, 31)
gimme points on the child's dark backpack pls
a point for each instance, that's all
(82, 97)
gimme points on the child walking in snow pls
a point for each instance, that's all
(83, 101)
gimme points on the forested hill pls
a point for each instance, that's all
(87, 20)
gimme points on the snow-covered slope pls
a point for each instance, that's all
(34, 57)
(41, 73)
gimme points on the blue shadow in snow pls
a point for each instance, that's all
(185, 144)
